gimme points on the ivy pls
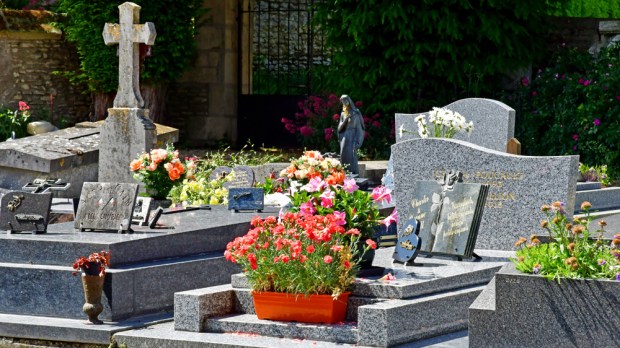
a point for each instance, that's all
(176, 22)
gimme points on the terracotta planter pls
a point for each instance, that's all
(93, 288)
(292, 307)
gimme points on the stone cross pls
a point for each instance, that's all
(45, 185)
(128, 34)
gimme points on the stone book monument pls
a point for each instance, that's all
(127, 131)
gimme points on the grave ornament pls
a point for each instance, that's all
(44, 185)
(25, 212)
(408, 245)
(106, 206)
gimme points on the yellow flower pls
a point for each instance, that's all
(213, 200)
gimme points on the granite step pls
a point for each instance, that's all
(602, 199)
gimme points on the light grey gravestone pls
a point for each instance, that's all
(243, 176)
(106, 206)
(494, 123)
(127, 131)
(25, 212)
(518, 185)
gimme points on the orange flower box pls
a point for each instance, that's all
(292, 307)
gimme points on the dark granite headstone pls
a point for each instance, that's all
(449, 213)
(246, 198)
(141, 211)
(106, 206)
(408, 244)
(25, 211)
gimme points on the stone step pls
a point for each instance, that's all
(603, 199)
(187, 233)
(49, 290)
(591, 185)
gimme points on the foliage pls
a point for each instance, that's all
(572, 252)
(595, 173)
(160, 170)
(571, 107)
(299, 254)
(316, 125)
(357, 207)
(14, 121)
(445, 124)
(406, 56)
(176, 22)
(589, 9)
(94, 264)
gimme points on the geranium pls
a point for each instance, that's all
(572, 252)
(299, 254)
(160, 170)
(94, 264)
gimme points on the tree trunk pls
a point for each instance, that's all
(154, 100)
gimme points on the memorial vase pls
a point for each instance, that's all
(93, 288)
(297, 307)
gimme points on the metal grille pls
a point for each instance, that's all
(279, 47)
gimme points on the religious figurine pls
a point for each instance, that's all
(350, 133)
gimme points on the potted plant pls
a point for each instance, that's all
(160, 170)
(300, 267)
(93, 275)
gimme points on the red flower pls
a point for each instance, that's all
(371, 243)
(328, 259)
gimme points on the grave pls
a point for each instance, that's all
(494, 123)
(518, 185)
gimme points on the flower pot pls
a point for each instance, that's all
(297, 307)
(93, 288)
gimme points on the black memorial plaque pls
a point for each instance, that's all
(106, 206)
(25, 211)
(408, 244)
(246, 198)
(449, 212)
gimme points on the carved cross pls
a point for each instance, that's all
(128, 35)
(45, 185)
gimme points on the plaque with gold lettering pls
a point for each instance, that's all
(25, 212)
(408, 244)
(106, 206)
(449, 212)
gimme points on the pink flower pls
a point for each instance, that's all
(391, 218)
(315, 184)
(336, 117)
(586, 82)
(327, 199)
(580, 81)
(328, 259)
(310, 249)
(340, 218)
(307, 208)
(376, 124)
(329, 133)
(371, 243)
(336, 248)
(525, 81)
(358, 104)
(23, 106)
(388, 277)
(597, 122)
(306, 131)
(381, 193)
(618, 97)
(534, 93)
(575, 137)
(350, 186)
(158, 155)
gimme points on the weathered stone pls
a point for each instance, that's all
(106, 206)
(519, 185)
(494, 123)
(25, 211)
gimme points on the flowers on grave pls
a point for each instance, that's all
(298, 254)
(14, 122)
(355, 207)
(94, 265)
(594, 173)
(441, 123)
(160, 170)
(200, 190)
(572, 250)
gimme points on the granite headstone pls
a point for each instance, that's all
(243, 176)
(106, 206)
(518, 185)
(25, 212)
(494, 123)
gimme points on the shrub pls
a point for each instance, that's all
(14, 121)
(572, 107)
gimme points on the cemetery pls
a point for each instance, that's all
(401, 223)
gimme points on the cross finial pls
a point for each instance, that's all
(128, 34)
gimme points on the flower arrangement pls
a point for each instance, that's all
(572, 252)
(200, 190)
(298, 254)
(356, 207)
(594, 173)
(94, 265)
(160, 170)
(445, 124)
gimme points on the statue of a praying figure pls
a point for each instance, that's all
(350, 134)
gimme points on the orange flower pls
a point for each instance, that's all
(335, 178)
(136, 165)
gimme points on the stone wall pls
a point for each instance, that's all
(30, 51)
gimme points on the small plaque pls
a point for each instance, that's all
(141, 211)
(408, 244)
(106, 206)
(246, 198)
(25, 211)
(243, 176)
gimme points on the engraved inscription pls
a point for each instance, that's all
(498, 196)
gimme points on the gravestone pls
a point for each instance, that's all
(243, 176)
(219, 173)
(494, 123)
(106, 206)
(518, 185)
(25, 212)
(127, 130)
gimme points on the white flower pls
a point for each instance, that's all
(400, 130)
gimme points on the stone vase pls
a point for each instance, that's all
(93, 288)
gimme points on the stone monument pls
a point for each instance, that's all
(127, 131)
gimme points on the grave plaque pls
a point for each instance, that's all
(408, 244)
(106, 206)
(449, 212)
(141, 211)
(243, 176)
(246, 198)
(25, 211)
